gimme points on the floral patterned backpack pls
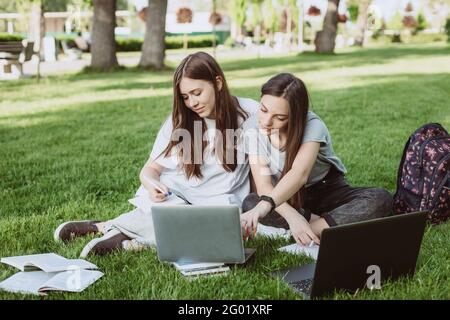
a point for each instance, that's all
(423, 180)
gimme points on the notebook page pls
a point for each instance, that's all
(73, 281)
(57, 263)
(31, 262)
(145, 203)
(26, 282)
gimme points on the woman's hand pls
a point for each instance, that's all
(249, 219)
(155, 193)
(149, 177)
(301, 230)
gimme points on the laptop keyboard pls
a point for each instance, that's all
(302, 286)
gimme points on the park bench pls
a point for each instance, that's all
(12, 56)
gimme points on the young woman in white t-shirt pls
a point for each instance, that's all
(300, 181)
(201, 170)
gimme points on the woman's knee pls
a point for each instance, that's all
(250, 201)
(383, 201)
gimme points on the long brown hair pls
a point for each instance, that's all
(201, 66)
(291, 88)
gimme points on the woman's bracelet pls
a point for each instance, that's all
(269, 200)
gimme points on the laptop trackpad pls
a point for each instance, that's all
(295, 274)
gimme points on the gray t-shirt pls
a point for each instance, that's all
(315, 130)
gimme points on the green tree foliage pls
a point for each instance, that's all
(353, 10)
(447, 29)
(8, 6)
(238, 10)
(256, 16)
(396, 22)
(122, 5)
(421, 21)
(270, 18)
(49, 5)
(55, 5)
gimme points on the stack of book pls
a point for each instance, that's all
(194, 270)
(41, 273)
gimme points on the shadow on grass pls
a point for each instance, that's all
(123, 71)
(133, 85)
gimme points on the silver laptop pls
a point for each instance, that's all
(199, 233)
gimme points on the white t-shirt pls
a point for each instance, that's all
(217, 186)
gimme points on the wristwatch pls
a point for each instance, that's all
(269, 200)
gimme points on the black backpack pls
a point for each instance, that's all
(423, 180)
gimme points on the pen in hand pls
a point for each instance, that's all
(154, 183)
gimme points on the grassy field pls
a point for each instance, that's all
(72, 147)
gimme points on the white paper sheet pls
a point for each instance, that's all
(296, 248)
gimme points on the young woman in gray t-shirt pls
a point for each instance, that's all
(299, 180)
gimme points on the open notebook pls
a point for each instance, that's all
(38, 282)
(49, 272)
(47, 262)
(142, 200)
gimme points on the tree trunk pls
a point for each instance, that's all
(37, 32)
(301, 16)
(289, 27)
(103, 49)
(361, 23)
(325, 39)
(153, 48)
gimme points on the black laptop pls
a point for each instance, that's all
(351, 255)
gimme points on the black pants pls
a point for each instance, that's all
(335, 200)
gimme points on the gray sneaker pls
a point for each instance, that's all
(111, 241)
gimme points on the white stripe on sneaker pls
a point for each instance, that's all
(91, 244)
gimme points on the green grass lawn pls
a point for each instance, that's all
(72, 147)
